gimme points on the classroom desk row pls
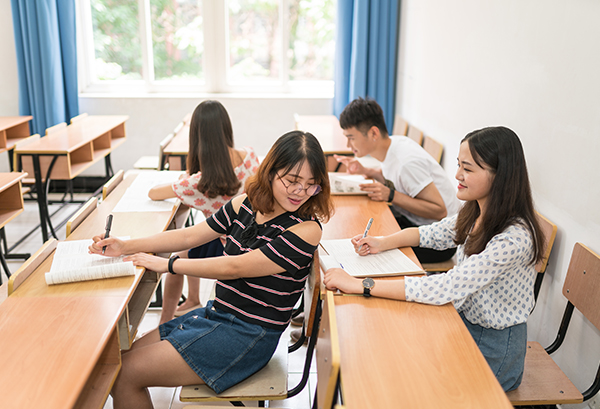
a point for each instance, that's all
(326, 128)
(60, 345)
(401, 354)
(66, 153)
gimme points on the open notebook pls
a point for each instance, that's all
(340, 253)
(72, 263)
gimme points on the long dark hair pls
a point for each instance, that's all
(211, 136)
(290, 152)
(509, 200)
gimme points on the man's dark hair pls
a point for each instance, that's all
(363, 114)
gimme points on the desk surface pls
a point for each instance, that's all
(52, 337)
(10, 121)
(326, 128)
(75, 135)
(395, 353)
(179, 146)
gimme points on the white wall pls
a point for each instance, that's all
(9, 87)
(533, 66)
(257, 121)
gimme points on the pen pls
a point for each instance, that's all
(107, 229)
(366, 231)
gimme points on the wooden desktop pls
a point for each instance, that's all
(402, 354)
(61, 344)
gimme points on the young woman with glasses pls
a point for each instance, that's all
(272, 233)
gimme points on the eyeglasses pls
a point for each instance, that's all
(296, 188)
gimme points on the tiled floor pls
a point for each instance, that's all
(163, 398)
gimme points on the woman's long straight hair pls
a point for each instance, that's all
(509, 201)
(211, 137)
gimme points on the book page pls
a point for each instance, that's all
(72, 262)
(387, 263)
(345, 183)
(135, 198)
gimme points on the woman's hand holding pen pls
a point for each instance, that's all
(114, 246)
(370, 244)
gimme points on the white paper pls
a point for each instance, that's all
(72, 262)
(388, 263)
(345, 183)
(135, 198)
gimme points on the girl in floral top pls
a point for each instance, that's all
(216, 172)
(499, 242)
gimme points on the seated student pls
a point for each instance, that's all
(216, 172)
(499, 241)
(409, 178)
(272, 233)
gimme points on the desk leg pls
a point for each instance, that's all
(4, 266)
(108, 166)
(183, 162)
(41, 197)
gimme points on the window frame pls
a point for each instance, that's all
(215, 26)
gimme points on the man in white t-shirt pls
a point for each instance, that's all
(410, 179)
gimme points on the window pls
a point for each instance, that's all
(208, 45)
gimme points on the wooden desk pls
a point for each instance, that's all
(326, 128)
(60, 344)
(11, 205)
(12, 130)
(175, 153)
(400, 354)
(65, 154)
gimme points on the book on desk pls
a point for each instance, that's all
(340, 253)
(73, 263)
(347, 184)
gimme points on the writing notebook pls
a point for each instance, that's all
(73, 263)
(388, 263)
(347, 184)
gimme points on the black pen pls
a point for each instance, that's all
(366, 231)
(107, 230)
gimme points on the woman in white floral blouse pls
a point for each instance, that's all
(216, 172)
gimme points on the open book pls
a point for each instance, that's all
(347, 184)
(387, 263)
(72, 263)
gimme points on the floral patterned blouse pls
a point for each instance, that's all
(186, 188)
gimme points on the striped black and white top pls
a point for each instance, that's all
(267, 300)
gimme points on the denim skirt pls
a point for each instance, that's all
(211, 249)
(504, 351)
(221, 348)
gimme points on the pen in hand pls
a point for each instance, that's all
(365, 233)
(107, 230)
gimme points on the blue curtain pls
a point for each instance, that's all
(47, 60)
(366, 54)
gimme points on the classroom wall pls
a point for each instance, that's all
(9, 87)
(532, 66)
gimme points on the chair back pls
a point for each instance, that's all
(79, 117)
(30, 265)
(312, 294)
(582, 285)
(400, 126)
(415, 134)
(81, 214)
(112, 183)
(55, 128)
(161, 153)
(434, 148)
(549, 229)
(328, 356)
